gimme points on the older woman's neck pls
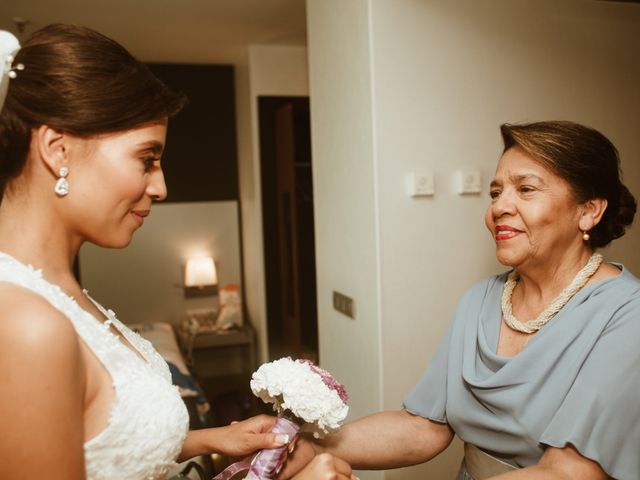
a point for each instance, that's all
(547, 279)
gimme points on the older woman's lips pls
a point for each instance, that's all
(504, 232)
(139, 215)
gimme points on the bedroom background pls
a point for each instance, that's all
(395, 87)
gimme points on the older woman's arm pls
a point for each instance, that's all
(382, 440)
(558, 464)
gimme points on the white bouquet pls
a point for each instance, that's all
(301, 389)
(304, 395)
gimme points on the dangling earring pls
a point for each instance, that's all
(585, 236)
(62, 185)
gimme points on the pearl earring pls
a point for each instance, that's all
(62, 185)
(585, 236)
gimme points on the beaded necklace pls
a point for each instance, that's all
(561, 300)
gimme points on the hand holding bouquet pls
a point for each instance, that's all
(305, 397)
(299, 389)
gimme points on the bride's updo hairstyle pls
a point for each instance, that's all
(587, 161)
(77, 81)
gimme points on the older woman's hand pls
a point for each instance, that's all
(301, 452)
(326, 467)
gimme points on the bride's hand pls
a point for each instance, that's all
(251, 435)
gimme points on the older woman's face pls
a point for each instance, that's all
(533, 216)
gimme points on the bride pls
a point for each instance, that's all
(82, 129)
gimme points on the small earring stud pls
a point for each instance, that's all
(585, 236)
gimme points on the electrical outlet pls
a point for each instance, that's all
(343, 304)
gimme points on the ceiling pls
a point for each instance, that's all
(181, 31)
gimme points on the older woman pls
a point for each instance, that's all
(539, 371)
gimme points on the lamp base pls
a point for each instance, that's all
(207, 291)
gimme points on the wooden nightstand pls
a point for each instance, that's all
(207, 344)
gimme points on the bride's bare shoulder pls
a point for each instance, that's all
(30, 327)
(43, 386)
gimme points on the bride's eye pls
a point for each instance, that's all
(149, 162)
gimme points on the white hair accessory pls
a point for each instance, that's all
(9, 46)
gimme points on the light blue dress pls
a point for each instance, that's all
(576, 382)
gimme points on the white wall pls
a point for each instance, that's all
(267, 70)
(144, 282)
(346, 198)
(425, 84)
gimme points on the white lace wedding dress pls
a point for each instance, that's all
(148, 421)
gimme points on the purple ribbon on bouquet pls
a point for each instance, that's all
(268, 462)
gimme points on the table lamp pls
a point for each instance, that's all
(200, 277)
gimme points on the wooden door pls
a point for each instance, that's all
(287, 227)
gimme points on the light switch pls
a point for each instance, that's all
(468, 181)
(420, 183)
(343, 304)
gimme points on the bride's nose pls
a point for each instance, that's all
(156, 188)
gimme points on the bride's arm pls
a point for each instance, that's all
(254, 434)
(42, 393)
(236, 440)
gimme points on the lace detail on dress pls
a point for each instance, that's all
(148, 422)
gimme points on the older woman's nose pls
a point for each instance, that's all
(503, 204)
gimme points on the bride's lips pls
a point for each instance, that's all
(505, 232)
(139, 215)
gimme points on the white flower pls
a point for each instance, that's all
(294, 387)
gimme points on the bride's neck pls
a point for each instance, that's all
(36, 238)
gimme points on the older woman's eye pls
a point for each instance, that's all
(526, 189)
(494, 194)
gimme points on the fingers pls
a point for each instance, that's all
(302, 455)
(335, 465)
(248, 436)
(326, 467)
(263, 423)
(342, 467)
(292, 444)
(261, 441)
(262, 426)
(258, 424)
(278, 439)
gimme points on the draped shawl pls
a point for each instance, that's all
(576, 382)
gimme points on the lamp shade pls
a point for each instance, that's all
(200, 272)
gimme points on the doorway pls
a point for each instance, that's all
(287, 209)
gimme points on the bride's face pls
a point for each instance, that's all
(113, 180)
